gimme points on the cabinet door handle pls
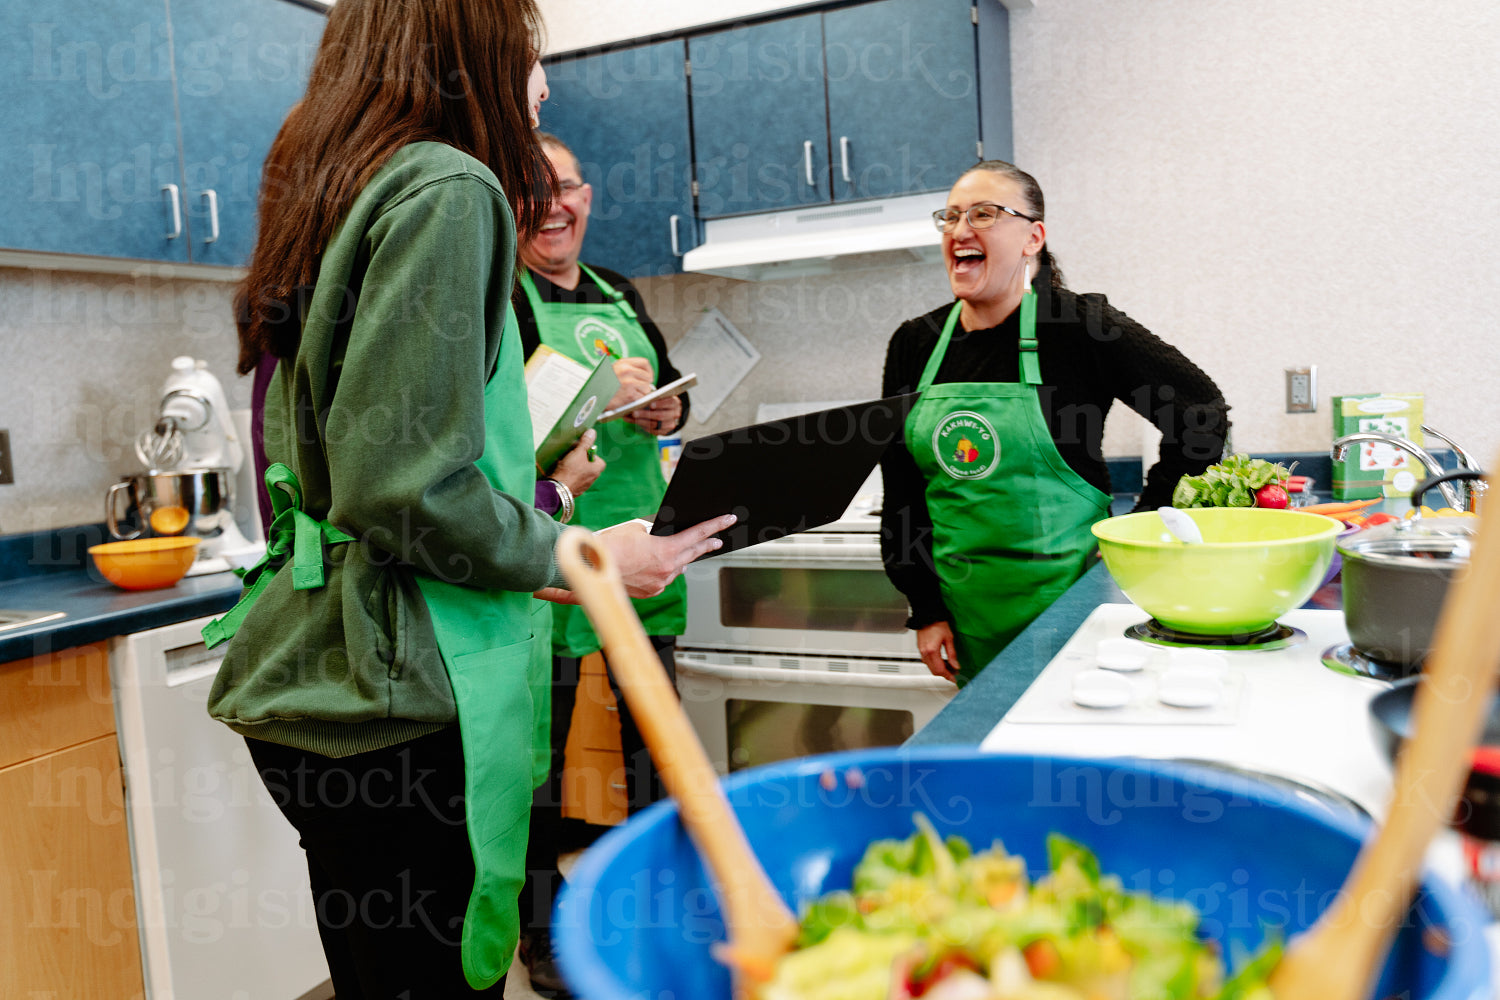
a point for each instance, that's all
(212, 197)
(844, 158)
(807, 162)
(672, 227)
(172, 193)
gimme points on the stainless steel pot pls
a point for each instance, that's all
(1395, 577)
(193, 502)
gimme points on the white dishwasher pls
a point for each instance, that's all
(222, 895)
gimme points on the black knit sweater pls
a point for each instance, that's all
(1091, 354)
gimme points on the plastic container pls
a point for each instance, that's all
(670, 449)
(637, 918)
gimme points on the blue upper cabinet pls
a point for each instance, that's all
(903, 96)
(760, 122)
(92, 163)
(624, 114)
(870, 100)
(89, 161)
(241, 65)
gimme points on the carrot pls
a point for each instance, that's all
(1340, 507)
(1042, 958)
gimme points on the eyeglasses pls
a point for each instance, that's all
(565, 188)
(981, 216)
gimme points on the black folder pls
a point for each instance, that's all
(782, 476)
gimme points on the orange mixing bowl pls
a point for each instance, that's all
(145, 563)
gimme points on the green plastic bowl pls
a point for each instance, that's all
(1253, 566)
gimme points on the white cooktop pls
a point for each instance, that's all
(1279, 711)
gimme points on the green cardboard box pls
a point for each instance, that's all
(1371, 469)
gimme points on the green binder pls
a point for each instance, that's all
(566, 398)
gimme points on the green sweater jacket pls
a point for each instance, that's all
(381, 418)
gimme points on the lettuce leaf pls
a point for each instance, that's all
(1231, 483)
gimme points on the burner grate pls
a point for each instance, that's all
(1345, 659)
(1273, 636)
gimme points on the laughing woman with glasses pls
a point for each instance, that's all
(989, 498)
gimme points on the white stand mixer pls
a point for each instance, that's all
(196, 432)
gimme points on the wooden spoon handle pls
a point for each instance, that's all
(760, 925)
(1339, 957)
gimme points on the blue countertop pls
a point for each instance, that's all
(51, 571)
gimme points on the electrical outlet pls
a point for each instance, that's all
(1302, 389)
(7, 475)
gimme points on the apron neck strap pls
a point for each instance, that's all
(528, 284)
(1031, 370)
(615, 296)
(936, 360)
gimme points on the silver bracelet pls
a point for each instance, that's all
(564, 500)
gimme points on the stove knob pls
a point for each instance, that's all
(1189, 687)
(1124, 655)
(1101, 689)
(1199, 659)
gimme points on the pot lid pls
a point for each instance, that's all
(1418, 541)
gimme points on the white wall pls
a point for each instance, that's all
(1281, 183)
(1265, 185)
(83, 362)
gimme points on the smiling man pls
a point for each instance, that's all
(588, 312)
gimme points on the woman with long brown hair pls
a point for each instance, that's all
(380, 662)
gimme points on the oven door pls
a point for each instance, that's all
(755, 709)
(814, 593)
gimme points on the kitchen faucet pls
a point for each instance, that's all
(1459, 496)
(1465, 460)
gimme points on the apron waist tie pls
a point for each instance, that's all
(294, 534)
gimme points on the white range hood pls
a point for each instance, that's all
(820, 239)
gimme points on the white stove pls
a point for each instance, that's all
(1279, 711)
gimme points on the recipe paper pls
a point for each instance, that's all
(721, 357)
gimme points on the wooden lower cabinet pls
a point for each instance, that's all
(67, 898)
(593, 785)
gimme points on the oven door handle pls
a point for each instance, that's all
(789, 553)
(894, 682)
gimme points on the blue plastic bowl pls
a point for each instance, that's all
(638, 917)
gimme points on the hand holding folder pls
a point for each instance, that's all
(566, 398)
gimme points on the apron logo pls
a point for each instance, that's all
(965, 445)
(583, 414)
(596, 339)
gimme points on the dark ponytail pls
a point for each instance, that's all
(1036, 206)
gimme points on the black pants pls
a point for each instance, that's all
(642, 783)
(388, 854)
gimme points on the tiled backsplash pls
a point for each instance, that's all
(81, 371)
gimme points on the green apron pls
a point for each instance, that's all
(499, 669)
(631, 484)
(1010, 519)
